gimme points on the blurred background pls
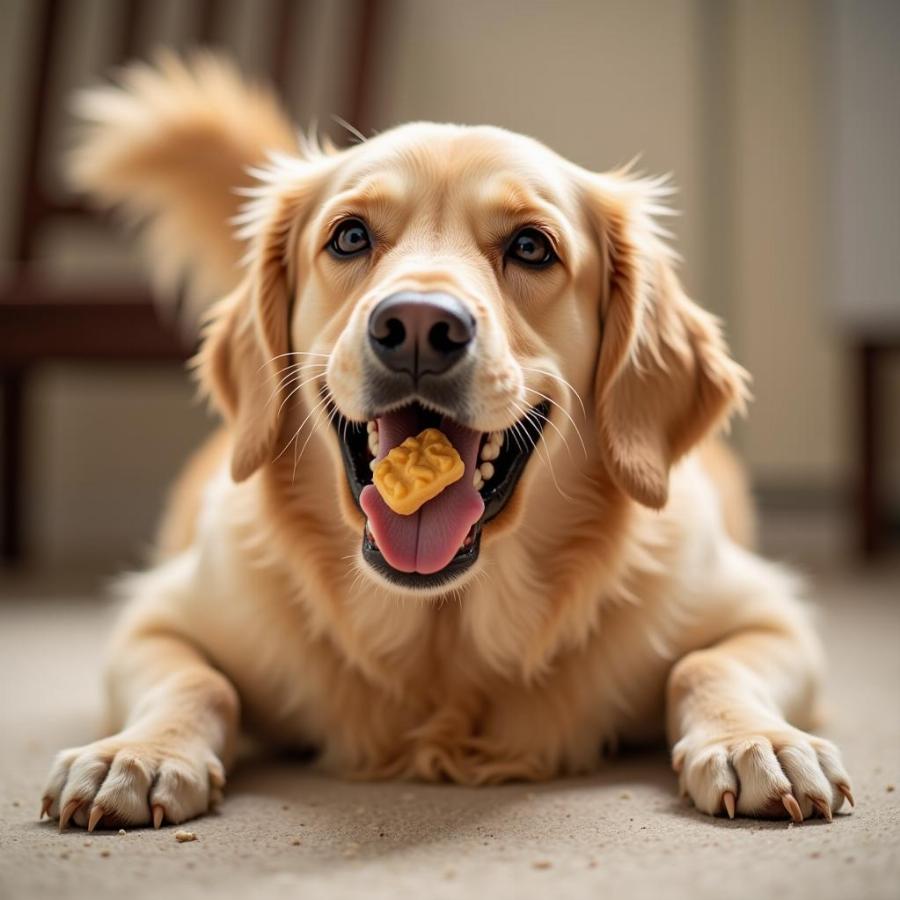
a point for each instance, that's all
(779, 123)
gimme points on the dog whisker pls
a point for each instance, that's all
(294, 390)
(563, 382)
(553, 425)
(299, 353)
(315, 425)
(293, 373)
(288, 370)
(513, 432)
(565, 412)
(297, 432)
(288, 373)
(538, 446)
(298, 451)
(275, 358)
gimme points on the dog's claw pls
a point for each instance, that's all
(848, 794)
(823, 808)
(46, 803)
(793, 807)
(158, 813)
(67, 813)
(728, 802)
(95, 816)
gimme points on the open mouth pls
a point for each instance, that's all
(442, 539)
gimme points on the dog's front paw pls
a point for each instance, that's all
(131, 781)
(769, 773)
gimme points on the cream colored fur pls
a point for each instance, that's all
(613, 602)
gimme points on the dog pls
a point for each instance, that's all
(588, 582)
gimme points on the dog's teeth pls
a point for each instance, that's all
(372, 429)
(372, 464)
(478, 480)
(486, 470)
(490, 451)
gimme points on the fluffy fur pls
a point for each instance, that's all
(613, 601)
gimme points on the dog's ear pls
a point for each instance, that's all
(243, 355)
(238, 369)
(664, 376)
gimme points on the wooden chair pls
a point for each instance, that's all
(873, 528)
(41, 322)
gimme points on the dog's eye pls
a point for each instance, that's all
(350, 238)
(532, 248)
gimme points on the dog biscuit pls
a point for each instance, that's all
(417, 471)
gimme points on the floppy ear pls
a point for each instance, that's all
(664, 377)
(235, 370)
(242, 359)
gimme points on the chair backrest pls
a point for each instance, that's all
(279, 22)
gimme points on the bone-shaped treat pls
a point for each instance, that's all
(417, 471)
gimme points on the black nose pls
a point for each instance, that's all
(420, 333)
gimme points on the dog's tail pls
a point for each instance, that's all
(170, 144)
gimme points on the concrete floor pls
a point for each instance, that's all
(286, 831)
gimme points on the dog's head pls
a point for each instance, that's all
(471, 280)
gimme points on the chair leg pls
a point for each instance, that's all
(12, 386)
(868, 512)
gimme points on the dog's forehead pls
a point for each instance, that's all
(484, 161)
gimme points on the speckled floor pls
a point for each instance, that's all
(285, 831)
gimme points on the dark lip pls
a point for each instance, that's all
(462, 562)
(517, 452)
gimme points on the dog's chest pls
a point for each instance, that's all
(443, 714)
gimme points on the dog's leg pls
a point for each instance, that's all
(732, 714)
(178, 718)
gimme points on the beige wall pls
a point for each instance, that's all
(782, 268)
(599, 82)
(732, 98)
(105, 443)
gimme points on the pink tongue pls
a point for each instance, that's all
(427, 540)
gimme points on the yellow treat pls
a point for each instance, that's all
(417, 471)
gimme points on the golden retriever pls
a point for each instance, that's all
(585, 583)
